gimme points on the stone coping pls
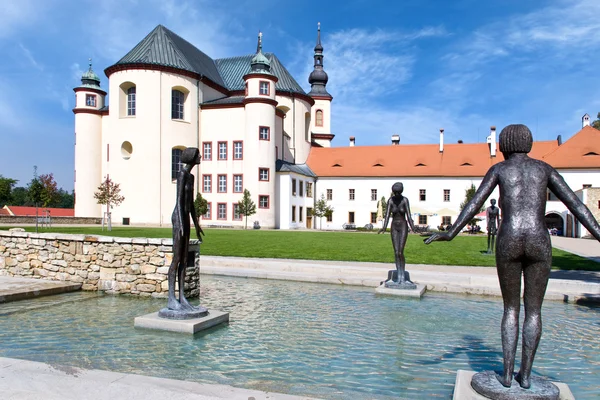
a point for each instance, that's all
(92, 238)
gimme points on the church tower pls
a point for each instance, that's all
(321, 111)
(89, 102)
(260, 118)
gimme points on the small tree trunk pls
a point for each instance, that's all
(36, 217)
(246, 224)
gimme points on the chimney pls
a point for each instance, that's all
(585, 120)
(441, 140)
(492, 141)
(460, 141)
(395, 139)
(352, 141)
(559, 139)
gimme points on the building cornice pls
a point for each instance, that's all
(89, 111)
(270, 77)
(322, 136)
(218, 106)
(86, 89)
(250, 100)
(163, 68)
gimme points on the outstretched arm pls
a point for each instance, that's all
(386, 219)
(559, 187)
(472, 208)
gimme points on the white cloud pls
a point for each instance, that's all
(17, 14)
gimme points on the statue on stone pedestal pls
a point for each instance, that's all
(184, 207)
(523, 248)
(492, 215)
(399, 209)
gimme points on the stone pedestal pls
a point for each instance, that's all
(191, 326)
(463, 389)
(417, 292)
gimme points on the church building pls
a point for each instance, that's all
(257, 129)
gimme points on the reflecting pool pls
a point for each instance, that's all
(327, 341)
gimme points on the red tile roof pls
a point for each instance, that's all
(456, 159)
(30, 211)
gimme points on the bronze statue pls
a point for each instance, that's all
(184, 207)
(492, 215)
(399, 208)
(523, 246)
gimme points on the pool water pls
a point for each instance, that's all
(327, 341)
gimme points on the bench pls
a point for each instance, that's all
(349, 226)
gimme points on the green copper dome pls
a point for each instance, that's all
(90, 79)
(260, 63)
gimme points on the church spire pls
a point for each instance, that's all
(260, 63)
(89, 78)
(318, 77)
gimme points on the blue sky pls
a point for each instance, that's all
(408, 67)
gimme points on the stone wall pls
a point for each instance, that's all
(17, 219)
(135, 266)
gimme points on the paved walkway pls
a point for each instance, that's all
(588, 248)
(28, 380)
(17, 288)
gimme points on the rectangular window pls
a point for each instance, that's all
(446, 220)
(350, 194)
(446, 194)
(329, 217)
(422, 195)
(264, 133)
(422, 219)
(373, 217)
(238, 186)
(238, 153)
(263, 201)
(293, 187)
(300, 211)
(177, 102)
(293, 213)
(265, 88)
(222, 150)
(207, 183)
(131, 101)
(222, 211)
(236, 212)
(207, 151)
(301, 188)
(329, 194)
(175, 163)
(208, 211)
(263, 174)
(351, 217)
(90, 100)
(373, 194)
(308, 189)
(222, 183)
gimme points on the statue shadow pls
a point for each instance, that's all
(480, 356)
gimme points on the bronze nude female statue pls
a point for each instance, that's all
(523, 245)
(184, 207)
(399, 208)
(492, 215)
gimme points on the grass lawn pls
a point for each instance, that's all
(342, 246)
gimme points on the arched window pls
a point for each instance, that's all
(319, 118)
(177, 101)
(175, 162)
(131, 101)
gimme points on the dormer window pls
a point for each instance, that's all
(336, 165)
(90, 100)
(420, 165)
(591, 153)
(265, 88)
(378, 165)
(466, 164)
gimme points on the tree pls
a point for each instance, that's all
(34, 193)
(469, 193)
(108, 193)
(65, 199)
(49, 195)
(596, 123)
(322, 209)
(200, 205)
(6, 187)
(247, 206)
(19, 197)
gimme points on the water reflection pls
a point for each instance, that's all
(306, 339)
